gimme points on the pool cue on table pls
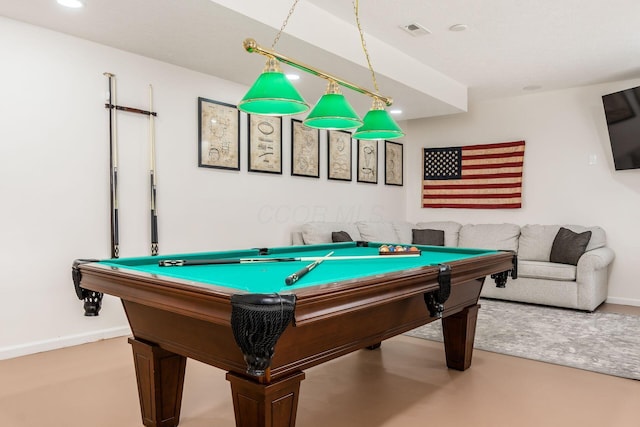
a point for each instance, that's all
(211, 261)
(152, 177)
(293, 278)
(113, 166)
(188, 262)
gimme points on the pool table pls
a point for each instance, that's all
(239, 314)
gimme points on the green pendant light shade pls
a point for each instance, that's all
(333, 111)
(272, 94)
(378, 124)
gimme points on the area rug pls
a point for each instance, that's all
(607, 343)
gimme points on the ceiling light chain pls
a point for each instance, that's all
(364, 46)
(284, 24)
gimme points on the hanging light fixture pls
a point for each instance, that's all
(273, 94)
(333, 111)
(378, 124)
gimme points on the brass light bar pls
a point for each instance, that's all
(251, 46)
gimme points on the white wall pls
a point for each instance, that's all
(54, 181)
(54, 178)
(562, 130)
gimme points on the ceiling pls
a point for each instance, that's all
(508, 44)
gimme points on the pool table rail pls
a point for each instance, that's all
(341, 297)
(209, 303)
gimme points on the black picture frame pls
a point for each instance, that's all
(339, 155)
(218, 135)
(393, 163)
(367, 161)
(264, 140)
(305, 150)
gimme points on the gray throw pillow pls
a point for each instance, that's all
(568, 246)
(340, 236)
(427, 237)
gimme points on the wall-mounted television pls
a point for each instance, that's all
(622, 110)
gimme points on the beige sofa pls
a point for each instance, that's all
(583, 286)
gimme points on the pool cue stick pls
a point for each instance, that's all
(113, 162)
(188, 262)
(152, 177)
(293, 278)
(356, 257)
(211, 261)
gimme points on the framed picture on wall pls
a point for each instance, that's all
(367, 161)
(218, 135)
(265, 144)
(305, 150)
(393, 163)
(339, 147)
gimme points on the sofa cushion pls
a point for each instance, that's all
(314, 233)
(340, 236)
(451, 230)
(546, 270)
(427, 237)
(536, 240)
(378, 231)
(598, 236)
(403, 230)
(490, 236)
(568, 246)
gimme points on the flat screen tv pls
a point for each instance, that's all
(622, 110)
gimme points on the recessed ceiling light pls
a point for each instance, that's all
(395, 111)
(458, 27)
(75, 4)
(532, 87)
(293, 76)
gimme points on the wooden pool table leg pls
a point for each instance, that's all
(459, 333)
(265, 405)
(160, 375)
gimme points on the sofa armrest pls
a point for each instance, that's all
(595, 259)
(592, 278)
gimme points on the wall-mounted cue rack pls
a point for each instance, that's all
(113, 107)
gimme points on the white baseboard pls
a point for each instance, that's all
(623, 301)
(61, 342)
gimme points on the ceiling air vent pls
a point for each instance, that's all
(415, 29)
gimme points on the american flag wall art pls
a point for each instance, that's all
(487, 176)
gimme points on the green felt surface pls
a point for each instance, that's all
(270, 277)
